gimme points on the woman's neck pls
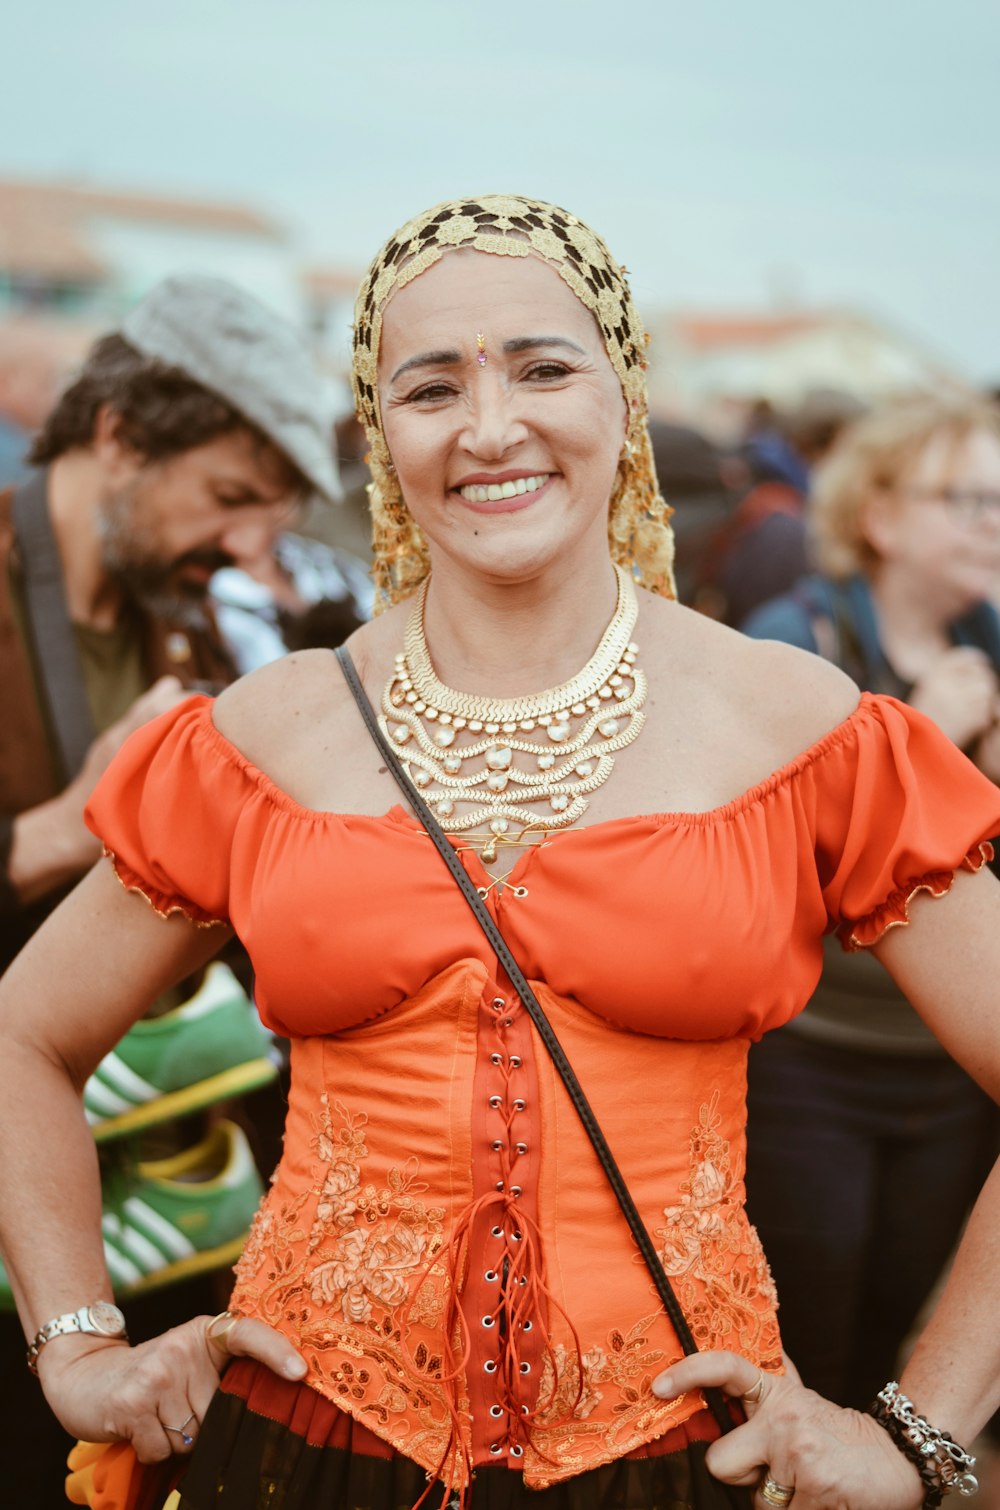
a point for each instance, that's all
(510, 640)
(913, 623)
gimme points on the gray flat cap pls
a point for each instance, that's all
(247, 355)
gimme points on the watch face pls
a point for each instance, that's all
(106, 1318)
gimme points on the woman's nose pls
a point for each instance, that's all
(493, 427)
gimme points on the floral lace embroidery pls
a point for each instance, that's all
(338, 1277)
(721, 1278)
(713, 1256)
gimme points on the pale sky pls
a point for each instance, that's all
(730, 153)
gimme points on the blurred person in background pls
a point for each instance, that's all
(29, 375)
(741, 515)
(188, 437)
(276, 599)
(866, 1142)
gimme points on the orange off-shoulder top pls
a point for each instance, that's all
(439, 1241)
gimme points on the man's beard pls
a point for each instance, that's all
(129, 558)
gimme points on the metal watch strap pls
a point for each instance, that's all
(546, 1032)
(69, 1323)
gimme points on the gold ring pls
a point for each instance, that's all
(755, 1391)
(773, 1493)
(220, 1338)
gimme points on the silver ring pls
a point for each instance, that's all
(186, 1438)
(773, 1493)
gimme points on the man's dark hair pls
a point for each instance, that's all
(161, 411)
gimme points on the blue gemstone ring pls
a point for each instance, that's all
(187, 1440)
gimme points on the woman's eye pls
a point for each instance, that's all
(547, 372)
(430, 393)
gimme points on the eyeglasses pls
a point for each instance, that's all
(969, 505)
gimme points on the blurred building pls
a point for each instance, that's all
(86, 254)
(710, 367)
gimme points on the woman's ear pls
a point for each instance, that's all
(880, 520)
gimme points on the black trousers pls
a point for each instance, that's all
(861, 1169)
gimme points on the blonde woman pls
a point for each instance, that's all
(906, 522)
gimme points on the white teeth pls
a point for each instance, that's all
(491, 492)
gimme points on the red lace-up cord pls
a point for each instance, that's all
(523, 1295)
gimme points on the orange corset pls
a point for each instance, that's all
(441, 1244)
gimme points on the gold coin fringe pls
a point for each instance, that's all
(639, 535)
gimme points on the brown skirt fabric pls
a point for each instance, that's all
(266, 1444)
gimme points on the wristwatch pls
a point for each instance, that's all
(101, 1319)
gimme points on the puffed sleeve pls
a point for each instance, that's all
(899, 809)
(166, 810)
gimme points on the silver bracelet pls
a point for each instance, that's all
(942, 1464)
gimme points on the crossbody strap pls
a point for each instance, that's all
(545, 1031)
(52, 634)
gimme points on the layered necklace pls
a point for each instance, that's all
(504, 772)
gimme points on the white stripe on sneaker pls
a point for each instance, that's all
(101, 1102)
(116, 1074)
(122, 1270)
(164, 1233)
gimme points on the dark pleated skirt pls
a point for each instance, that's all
(269, 1445)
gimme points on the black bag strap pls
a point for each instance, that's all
(545, 1030)
(52, 635)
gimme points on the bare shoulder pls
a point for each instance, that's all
(776, 700)
(263, 706)
(298, 702)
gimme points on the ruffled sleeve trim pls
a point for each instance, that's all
(163, 905)
(894, 912)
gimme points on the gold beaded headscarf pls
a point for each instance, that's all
(509, 225)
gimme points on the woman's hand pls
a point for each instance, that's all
(154, 1395)
(959, 693)
(831, 1459)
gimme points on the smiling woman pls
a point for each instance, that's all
(440, 1300)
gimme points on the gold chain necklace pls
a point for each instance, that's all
(515, 765)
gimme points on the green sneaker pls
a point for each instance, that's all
(206, 1050)
(167, 1219)
(182, 1215)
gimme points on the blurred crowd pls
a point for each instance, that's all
(868, 536)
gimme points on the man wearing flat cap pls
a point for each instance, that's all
(186, 439)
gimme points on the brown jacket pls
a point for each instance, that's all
(28, 774)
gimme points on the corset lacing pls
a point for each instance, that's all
(522, 1301)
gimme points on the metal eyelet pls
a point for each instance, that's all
(515, 1191)
(525, 1368)
(496, 1411)
(499, 1002)
(516, 1236)
(526, 1326)
(520, 1148)
(500, 1185)
(495, 1102)
(519, 1104)
(496, 1059)
(490, 1367)
(498, 1232)
(496, 1145)
(507, 1022)
(515, 1061)
(516, 1451)
(525, 1410)
(520, 891)
(491, 1276)
(495, 1448)
(489, 1321)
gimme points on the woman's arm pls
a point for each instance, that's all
(83, 980)
(947, 960)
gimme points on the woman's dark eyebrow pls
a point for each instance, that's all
(529, 343)
(428, 359)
